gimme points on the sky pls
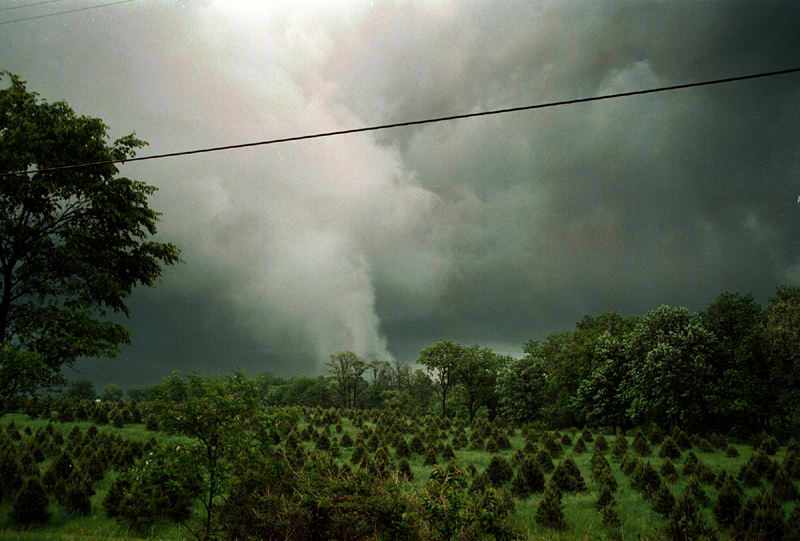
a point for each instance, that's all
(495, 230)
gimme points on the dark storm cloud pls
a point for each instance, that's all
(494, 230)
(618, 205)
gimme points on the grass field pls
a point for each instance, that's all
(582, 518)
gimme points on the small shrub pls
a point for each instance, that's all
(628, 465)
(499, 471)
(550, 511)
(686, 521)
(668, 470)
(645, 479)
(545, 460)
(782, 486)
(620, 446)
(689, 463)
(604, 497)
(430, 456)
(78, 493)
(769, 445)
(697, 492)
(728, 504)
(654, 434)
(611, 516)
(681, 439)
(31, 504)
(640, 446)
(669, 449)
(567, 477)
(663, 502)
(761, 517)
(529, 479)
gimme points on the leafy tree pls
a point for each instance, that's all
(220, 414)
(781, 341)
(670, 371)
(346, 369)
(598, 396)
(738, 384)
(568, 360)
(80, 389)
(73, 242)
(442, 360)
(111, 393)
(476, 375)
(521, 389)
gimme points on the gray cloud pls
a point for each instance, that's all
(494, 230)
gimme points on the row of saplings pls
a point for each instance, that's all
(162, 483)
(73, 465)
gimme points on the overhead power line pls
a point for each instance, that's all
(30, 4)
(54, 13)
(411, 122)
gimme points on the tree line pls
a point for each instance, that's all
(731, 368)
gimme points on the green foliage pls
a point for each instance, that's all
(499, 471)
(487, 516)
(640, 446)
(669, 449)
(73, 244)
(529, 478)
(645, 479)
(663, 502)
(162, 484)
(521, 389)
(761, 517)
(221, 414)
(670, 368)
(598, 397)
(550, 511)
(111, 393)
(783, 489)
(686, 521)
(31, 503)
(567, 477)
(611, 516)
(77, 493)
(346, 369)
(80, 389)
(728, 504)
(442, 360)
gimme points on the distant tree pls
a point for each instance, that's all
(599, 396)
(442, 360)
(304, 391)
(781, 339)
(81, 388)
(111, 393)
(476, 375)
(739, 383)
(568, 360)
(670, 369)
(422, 391)
(138, 394)
(521, 388)
(74, 243)
(346, 369)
